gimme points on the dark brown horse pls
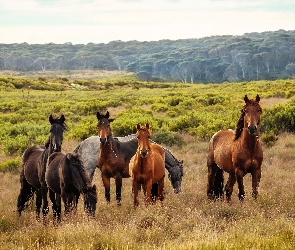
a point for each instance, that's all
(237, 153)
(114, 157)
(147, 166)
(32, 176)
(66, 179)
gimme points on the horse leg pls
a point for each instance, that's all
(229, 186)
(155, 192)
(54, 206)
(118, 180)
(256, 175)
(106, 183)
(212, 169)
(161, 189)
(148, 188)
(66, 200)
(58, 207)
(240, 176)
(45, 209)
(38, 203)
(26, 193)
(218, 184)
(135, 193)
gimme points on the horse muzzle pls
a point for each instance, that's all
(143, 153)
(103, 141)
(56, 148)
(252, 130)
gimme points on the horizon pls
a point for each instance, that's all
(96, 21)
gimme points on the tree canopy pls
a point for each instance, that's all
(252, 56)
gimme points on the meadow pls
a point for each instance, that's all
(183, 118)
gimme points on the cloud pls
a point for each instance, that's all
(83, 21)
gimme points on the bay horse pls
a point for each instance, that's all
(66, 179)
(32, 176)
(147, 167)
(114, 156)
(236, 152)
(88, 152)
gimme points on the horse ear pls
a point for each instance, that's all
(257, 98)
(246, 99)
(94, 187)
(98, 116)
(51, 119)
(62, 119)
(107, 115)
(147, 125)
(138, 126)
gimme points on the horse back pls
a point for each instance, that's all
(31, 161)
(220, 150)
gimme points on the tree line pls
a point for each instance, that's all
(253, 56)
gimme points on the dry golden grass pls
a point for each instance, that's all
(185, 221)
(70, 74)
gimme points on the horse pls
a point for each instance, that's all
(147, 167)
(114, 156)
(66, 179)
(236, 152)
(32, 175)
(88, 152)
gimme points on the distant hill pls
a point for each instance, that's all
(252, 56)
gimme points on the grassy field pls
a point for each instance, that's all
(184, 221)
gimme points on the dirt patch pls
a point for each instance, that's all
(272, 101)
(70, 74)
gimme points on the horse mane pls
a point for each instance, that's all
(240, 123)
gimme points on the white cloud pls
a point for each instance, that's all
(79, 21)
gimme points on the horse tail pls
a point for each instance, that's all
(26, 193)
(218, 183)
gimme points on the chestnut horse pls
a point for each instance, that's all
(147, 167)
(237, 153)
(114, 156)
(66, 179)
(32, 176)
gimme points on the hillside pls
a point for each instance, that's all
(216, 59)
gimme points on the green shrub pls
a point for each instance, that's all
(11, 165)
(167, 138)
(269, 139)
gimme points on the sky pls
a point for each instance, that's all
(98, 21)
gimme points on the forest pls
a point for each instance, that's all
(215, 59)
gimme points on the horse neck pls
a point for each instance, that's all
(250, 140)
(109, 147)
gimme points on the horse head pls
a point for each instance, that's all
(58, 126)
(175, 176)
(143, 135)
(104, 129)
(90, 200)
(252, 112)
